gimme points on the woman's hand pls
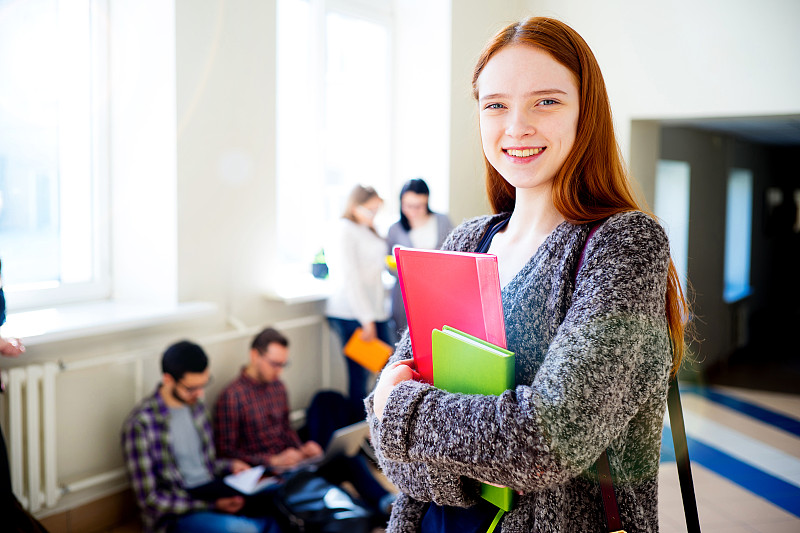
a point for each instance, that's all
(11, 347)
(369, 331)
(391, 376)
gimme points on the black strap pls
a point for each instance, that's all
(682, 456)
(486, 240)
(613, 521)
(684, 469)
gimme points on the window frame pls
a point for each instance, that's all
(51, 293)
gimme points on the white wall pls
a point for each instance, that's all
(225, 56)
(226, 151)
(474, 23)
(142, 146)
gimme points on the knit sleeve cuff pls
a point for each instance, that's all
(398, 417)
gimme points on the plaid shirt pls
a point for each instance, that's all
(155, 478)
(252, 421)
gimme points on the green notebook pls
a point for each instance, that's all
(467, 364)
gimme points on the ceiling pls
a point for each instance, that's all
(775, 130)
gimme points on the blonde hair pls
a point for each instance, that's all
(359, 196)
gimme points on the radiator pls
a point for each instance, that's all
(30, 434)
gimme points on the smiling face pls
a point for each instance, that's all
(528, 104)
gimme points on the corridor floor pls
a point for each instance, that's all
(745, 451)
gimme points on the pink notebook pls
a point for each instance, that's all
(458, 289)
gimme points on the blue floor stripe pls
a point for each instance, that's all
(775, 490)
(667, 446)
(781, 421)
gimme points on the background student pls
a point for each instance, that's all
(252, 423)
(418, 227)
(356, 257)
(169, 450)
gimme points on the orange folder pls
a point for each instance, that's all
(459, 289)
(371, 355)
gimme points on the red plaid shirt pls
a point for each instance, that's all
(252, 421)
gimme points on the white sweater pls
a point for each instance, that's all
(356, 260)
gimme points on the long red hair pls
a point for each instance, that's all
(592, 184)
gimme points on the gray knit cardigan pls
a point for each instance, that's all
(593, 359)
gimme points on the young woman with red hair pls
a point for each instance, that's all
(593, 308)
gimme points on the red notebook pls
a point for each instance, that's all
(459, 289)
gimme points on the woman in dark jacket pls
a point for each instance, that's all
(418, 227)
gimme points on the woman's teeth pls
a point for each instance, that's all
(526, 152)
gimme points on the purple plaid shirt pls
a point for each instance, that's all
(155, 478)
(252, 421)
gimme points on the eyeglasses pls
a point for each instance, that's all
(196, 388)
(277, 364)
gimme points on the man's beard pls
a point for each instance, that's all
(175, 395)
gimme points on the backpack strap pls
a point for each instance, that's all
(682, 456)
(603, 468)
(583, 250)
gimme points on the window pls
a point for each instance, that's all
(333, 117)
(360, 99)
(52, 170)
(672, 208)
(738, 233)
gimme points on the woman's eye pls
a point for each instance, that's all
(495, 106)
(547, 102)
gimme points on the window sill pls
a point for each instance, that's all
(298, 287)
(97, 318)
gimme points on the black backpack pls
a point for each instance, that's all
(307, 503)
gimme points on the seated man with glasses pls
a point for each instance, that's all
(252, 423)
(168, 446)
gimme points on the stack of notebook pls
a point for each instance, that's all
(455, 319)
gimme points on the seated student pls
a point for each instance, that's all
(168, 448)
(252, 423)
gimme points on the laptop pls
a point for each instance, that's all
(345, 441)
